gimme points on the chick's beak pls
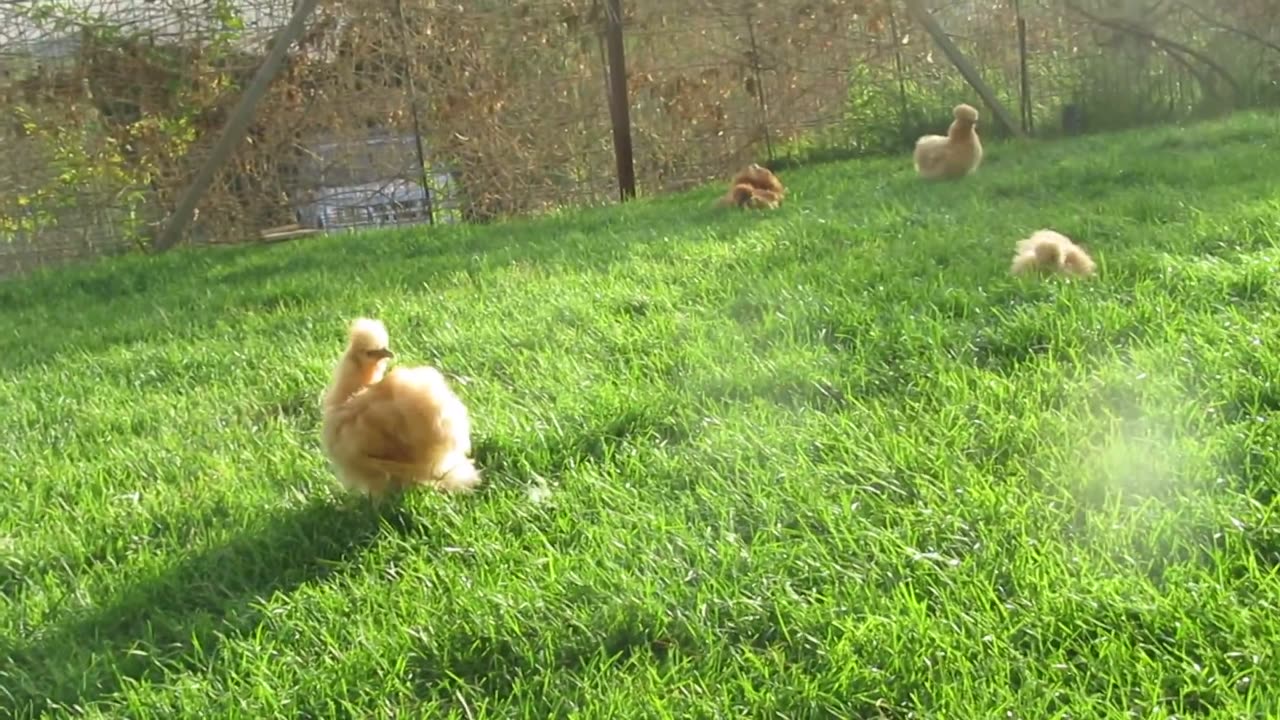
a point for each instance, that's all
(382, 354)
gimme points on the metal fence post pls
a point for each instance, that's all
(410, 69)
(619, 104)
(759, 80)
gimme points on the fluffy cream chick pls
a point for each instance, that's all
(1051, 251)
(386, 430)
(954, 155)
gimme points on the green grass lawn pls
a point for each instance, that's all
(830, 461)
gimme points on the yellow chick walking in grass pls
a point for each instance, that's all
(387, 430)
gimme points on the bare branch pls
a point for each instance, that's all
(1132, 28)
(1204, 17)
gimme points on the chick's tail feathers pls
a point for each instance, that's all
(458, 474)
(423, 384)
(927, 141)
(930, 155)
(453, 473)
(1078, 262)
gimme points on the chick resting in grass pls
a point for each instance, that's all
(1052, 252)
(387, 430)
(954, 155)
(755, 188)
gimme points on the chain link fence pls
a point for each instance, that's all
(421, 111)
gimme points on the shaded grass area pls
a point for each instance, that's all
(827, 461)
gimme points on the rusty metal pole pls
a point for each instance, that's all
(619, 104)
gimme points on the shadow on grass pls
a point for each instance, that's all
(595, 443)
(175, 619)
(444, 669)
(494, 666)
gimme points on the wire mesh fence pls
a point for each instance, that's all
(422, 111)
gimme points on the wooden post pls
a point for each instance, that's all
(236, 126)
(899, 71)
(1028, 121)
(957, 58)
(619, 104)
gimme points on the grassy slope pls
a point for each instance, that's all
(828, 460)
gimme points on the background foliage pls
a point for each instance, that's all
(111, 106)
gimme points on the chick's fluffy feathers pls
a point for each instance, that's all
(384, 430)
(1051, 251)
(954, 155)
(756, 188)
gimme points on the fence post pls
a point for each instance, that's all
(759, 78)
(1028, 121)
(619, 104)
(898, 68)
(236, 126)
(410, 68)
